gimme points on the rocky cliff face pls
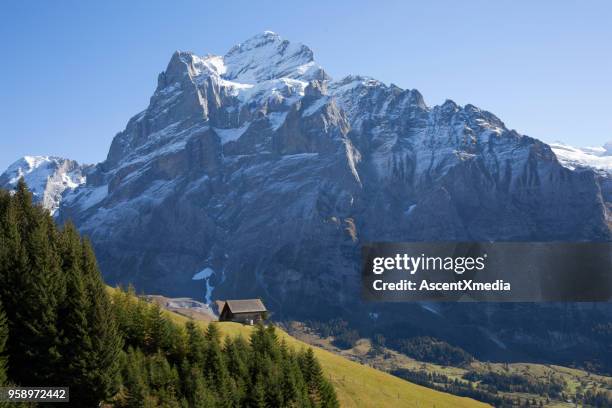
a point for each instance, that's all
(254, 162)
(258, 169)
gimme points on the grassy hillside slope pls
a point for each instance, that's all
(388, 360)
(358, 385)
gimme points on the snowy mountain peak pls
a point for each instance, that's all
(260, 66)
(256, 41)
(267, 56)
(263, 57)
(47, 177)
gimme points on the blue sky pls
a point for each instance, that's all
(73, 72)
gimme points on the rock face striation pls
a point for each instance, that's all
(256, 174)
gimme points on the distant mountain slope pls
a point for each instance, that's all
(598, 159)
(47, 177)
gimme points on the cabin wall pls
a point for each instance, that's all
(247, 317)
(226, 316)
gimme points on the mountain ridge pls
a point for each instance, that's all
(271, 175)
(48, 177)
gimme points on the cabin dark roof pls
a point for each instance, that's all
(245, 306)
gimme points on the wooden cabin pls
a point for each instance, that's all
(247, 311)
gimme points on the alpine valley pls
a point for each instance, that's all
(255, 174)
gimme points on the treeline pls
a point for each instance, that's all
(598, 398)
(602, 363)
(512, 382)
(344, 336)
(441, 382)
(60, 327)
(484, 393)
(433, 351)
(421, 348)
(488, 387)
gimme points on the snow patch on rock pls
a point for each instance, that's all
(231, 135)
(205, 274)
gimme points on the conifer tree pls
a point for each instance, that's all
(3, 338)
(215, 367)
(258, 395)
(313, 375)
(36, 287)
(158, 330)
(328, 396)
(274, 385)
(236, 351)
(212, 333)
(105, 339)
(196, 345)
(202, 396)
(289, 383)
(6, 255)
(236, 355)
(134, 380)
(265, 342)
(175, 345)
(163, 380)
(137, 330)
(75, 365)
